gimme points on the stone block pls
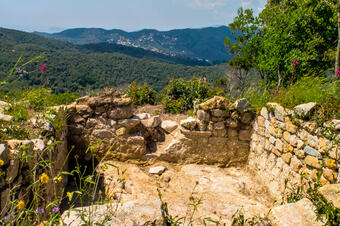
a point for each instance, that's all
(264, 113)
(152, 122)
(290, 127)
(287, 157)
(232, 134)
(102, 133)
(286, 136)
(301, 213)
(189, 123)
(242, 105)
(304, 110)
(331, 193)
(279, 111)
(311, 151)
(203, 115)
(246, 118)
(124, 112)
(330, 175)
(244, 135)
(219, 113)
(260, 121)
(313, 162)
(169, 125)
(279, 145)
(331, 163)
(296, 164)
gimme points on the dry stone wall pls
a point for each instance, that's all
(287, 151)
(20, 169)
(219, 134)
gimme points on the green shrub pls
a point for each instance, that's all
(180, 95)
(307, 89)
(18, 111)
(141, 95)
(12, 130)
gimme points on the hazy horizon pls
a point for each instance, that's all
(55, 16)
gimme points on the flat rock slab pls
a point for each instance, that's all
(331, 192)
(158, 170)
(222, 190)
(300, 213)
(169, 125)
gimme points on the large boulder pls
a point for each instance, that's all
(169, 125)
(304, 110)
(189, 123)
(152, 122)
(278, 110)
(300, 213)
(331, 192)
(216, 102)
(242, 105)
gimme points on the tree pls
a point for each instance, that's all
(304, 31)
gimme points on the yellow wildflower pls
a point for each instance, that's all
(123, 177)
(123, 171)
(21, 205)
(1, 162)
(69, 194)
(44, 178)
(59, 179)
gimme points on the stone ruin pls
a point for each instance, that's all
(271, 151)
(220, 134)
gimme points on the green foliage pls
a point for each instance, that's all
(307, 89)
(324, 209)
(180, 95)
(240, 220)
(18, 111)
(70, 68)
(305, 31)
(141, 95)
(13, 130)
(36, 99)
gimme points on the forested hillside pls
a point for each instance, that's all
(205, 43)
(72, 68)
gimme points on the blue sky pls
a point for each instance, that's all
(130, 15)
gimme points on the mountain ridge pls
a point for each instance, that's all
(197, 43)
(78, 68)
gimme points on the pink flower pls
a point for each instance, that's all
(43, 67)
(21, 75)
(277, 90)
(294, 63)
(338, 72)
(18, 69)
(271, 95)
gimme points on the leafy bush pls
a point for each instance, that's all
(18, 111)
(180, 95)
(307, 89)
(141, 95)
(12, 130)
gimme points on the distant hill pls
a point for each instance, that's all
(202, 44)
(141, 53)
(77, 68)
